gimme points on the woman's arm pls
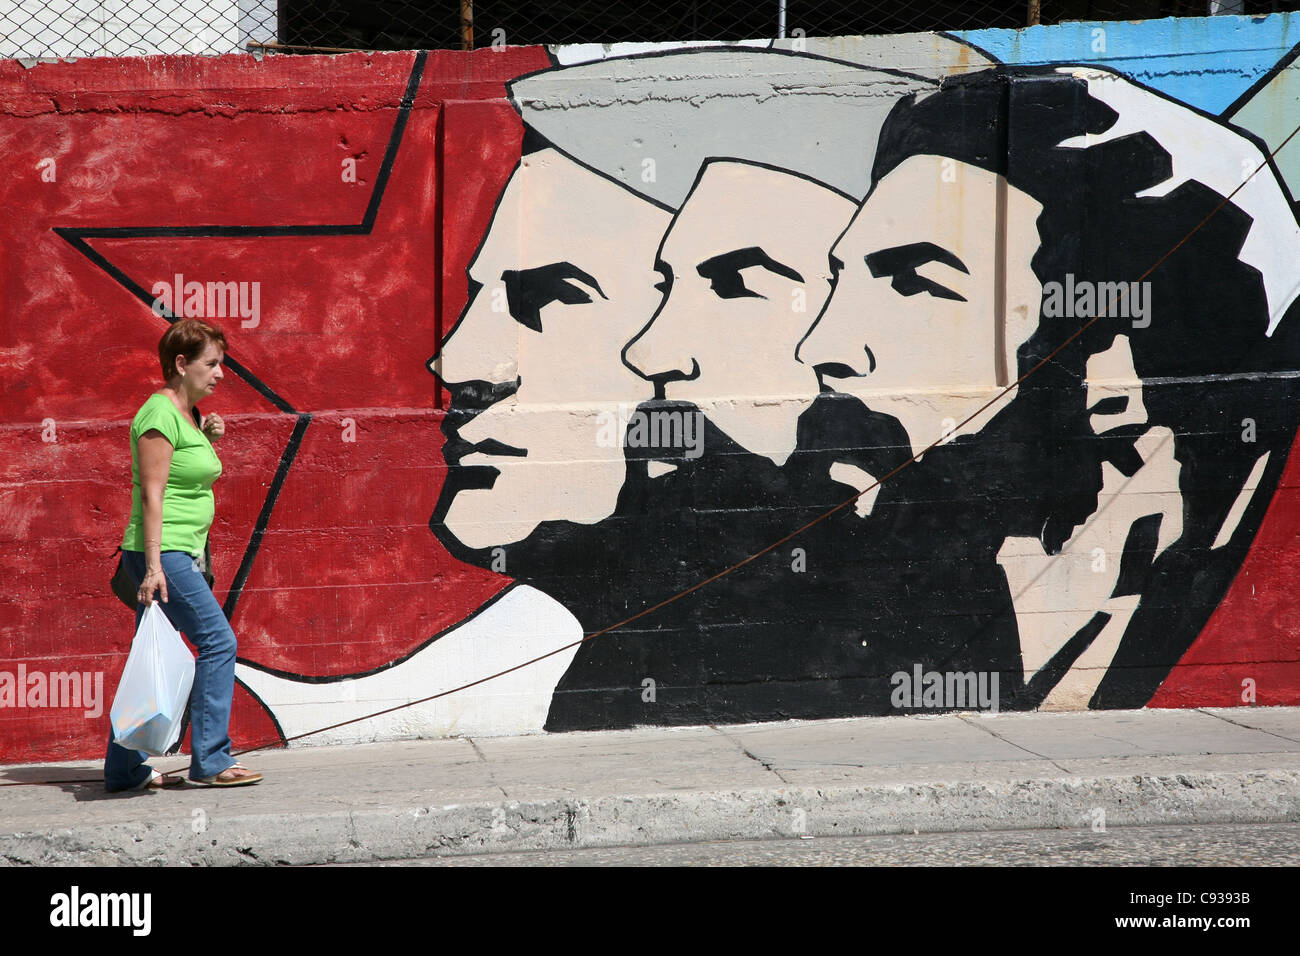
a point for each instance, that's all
(154, 457)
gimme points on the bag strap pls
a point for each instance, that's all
(207, 545)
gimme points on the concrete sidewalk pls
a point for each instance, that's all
(409, 799)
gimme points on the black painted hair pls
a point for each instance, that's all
(1208, 310)
(1012, 121)
(534, 142)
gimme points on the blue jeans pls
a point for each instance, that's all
(193, 610)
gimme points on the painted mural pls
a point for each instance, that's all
(886, 375)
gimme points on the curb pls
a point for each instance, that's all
(372, 835)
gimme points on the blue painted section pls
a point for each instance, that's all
(1206, 62)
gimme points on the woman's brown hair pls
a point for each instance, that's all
(188, 337)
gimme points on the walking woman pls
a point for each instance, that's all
(173, 466)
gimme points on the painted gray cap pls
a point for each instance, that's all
(650, 121)
(931, 55)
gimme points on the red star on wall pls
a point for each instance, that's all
(333, 465)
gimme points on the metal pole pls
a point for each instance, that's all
(1035, 12)
(780, 20)
(467, 24)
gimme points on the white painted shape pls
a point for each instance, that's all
(1214, 155)
(1056, 595)
(574, 53)
(860, 479)
(1111, 374)
(523, 624)
(1239, 506)
(656, 469)
(1078, 685)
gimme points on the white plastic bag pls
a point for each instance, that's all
(155, 687)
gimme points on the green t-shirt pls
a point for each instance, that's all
(188, 505)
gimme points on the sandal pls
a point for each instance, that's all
(157, 781)
(231, 777)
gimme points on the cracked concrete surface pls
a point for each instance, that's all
(925, 773)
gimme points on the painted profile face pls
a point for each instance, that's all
(564, 278)
(914, 327)
(744, 267)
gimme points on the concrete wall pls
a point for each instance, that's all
(530, 341)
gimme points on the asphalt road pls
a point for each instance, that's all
(1203, 845)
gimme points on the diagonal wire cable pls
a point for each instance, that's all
(822, 517)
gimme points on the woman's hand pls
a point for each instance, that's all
(214, 426)
(154, 580)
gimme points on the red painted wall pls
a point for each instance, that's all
(348, 575)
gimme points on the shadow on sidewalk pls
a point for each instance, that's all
(82, 783)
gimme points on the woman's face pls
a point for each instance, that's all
(201, 376)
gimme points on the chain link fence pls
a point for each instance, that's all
(72, 28)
